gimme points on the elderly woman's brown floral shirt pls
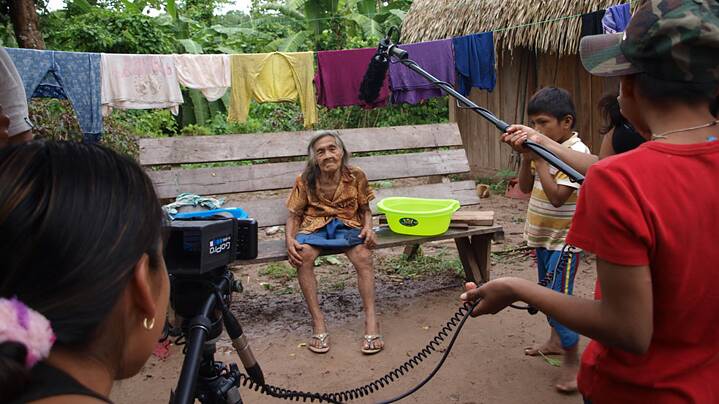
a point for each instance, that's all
(317, 210)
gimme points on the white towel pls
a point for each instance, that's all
(139, 82)
(208, 73)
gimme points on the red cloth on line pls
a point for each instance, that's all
(657, 206)
(339, 75)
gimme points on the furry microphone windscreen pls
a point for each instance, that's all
(374, 78)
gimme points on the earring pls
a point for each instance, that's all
(148, 325)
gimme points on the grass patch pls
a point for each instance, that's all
(337, 285)
(425, 265)
(499, 181)
(279, 271)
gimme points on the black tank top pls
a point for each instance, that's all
(625, 138)
(47, 381)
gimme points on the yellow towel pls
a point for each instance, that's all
(273, 77)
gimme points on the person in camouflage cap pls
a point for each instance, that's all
(649, 215)
(671, 40)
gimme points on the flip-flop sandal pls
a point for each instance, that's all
(370, 339)
(324, 346)
(538, 352)
(562, 388)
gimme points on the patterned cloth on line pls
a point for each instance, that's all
(74, 76)
(139, 82)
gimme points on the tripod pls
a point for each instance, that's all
(202, 301)
(217, 383)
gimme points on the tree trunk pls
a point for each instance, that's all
(24, 19)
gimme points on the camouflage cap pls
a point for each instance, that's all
(675, 40)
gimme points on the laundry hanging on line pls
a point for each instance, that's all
(436, 58)
(272, 77)
(474, 59)
(592, 23)
(139, 82)
(74, 76)
(210, 74)
(339, 75)
(616, 18)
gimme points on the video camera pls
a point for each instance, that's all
(198, 251)
(200, 246)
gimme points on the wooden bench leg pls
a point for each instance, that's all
(482, 248)
(411, 251)
(468, 257)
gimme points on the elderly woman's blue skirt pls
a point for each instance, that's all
(335, 235)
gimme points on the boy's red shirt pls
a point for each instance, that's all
(658, 205)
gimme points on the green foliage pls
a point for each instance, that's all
(498, 183)
(154, 123)
(279, 271)
(108, 31)
(7, 36)
(55, 120)
(433, 111)
(425, 265)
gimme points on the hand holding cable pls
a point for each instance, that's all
(490, 298)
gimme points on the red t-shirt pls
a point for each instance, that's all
(658, 205)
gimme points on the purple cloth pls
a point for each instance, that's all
(339, 75)
(616, 18)
(436, 57)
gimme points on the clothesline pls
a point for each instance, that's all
(95, 82)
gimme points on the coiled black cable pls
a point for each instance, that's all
(549, 277)
(457, 320)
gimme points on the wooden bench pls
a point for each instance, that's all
(433, 151)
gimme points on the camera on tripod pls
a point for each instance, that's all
(200, 246)
(198, 252)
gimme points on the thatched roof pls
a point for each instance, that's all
(509, 19)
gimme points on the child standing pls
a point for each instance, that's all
(549, 216)
(650, 217)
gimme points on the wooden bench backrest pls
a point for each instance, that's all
(428, 150)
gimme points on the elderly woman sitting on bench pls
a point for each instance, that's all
(329, 210)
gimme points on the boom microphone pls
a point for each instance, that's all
(375, 75)
(377, 70)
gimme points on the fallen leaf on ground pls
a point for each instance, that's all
(551, 361)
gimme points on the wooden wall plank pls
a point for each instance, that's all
(260, 177)
(272, 212)
(201, 149)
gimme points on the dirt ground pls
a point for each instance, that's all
(486, 365)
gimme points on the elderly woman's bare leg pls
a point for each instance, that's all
(361, 258)
(308, 284)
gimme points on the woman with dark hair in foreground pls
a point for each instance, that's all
(83, 287)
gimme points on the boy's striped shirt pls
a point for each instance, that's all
(547, 226)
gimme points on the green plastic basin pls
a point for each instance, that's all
(418, 216)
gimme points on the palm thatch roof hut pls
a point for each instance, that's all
(537, 45)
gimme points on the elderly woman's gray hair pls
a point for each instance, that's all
(312, 169)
